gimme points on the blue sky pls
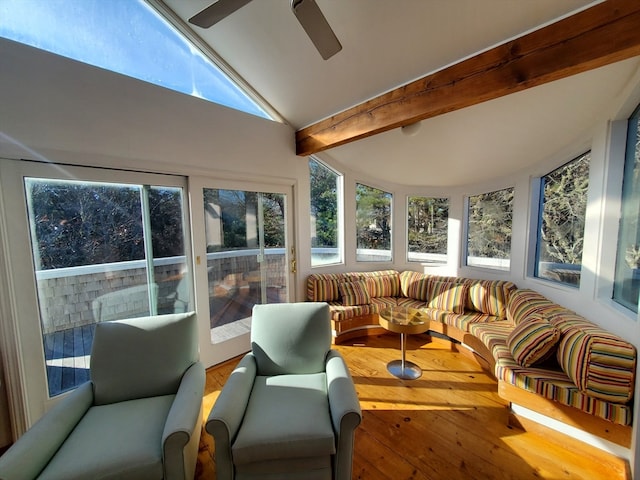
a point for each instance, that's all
(125, 36)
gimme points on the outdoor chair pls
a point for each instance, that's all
(289, 409)
(140, 415)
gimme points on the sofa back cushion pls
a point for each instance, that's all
(385, 283)
(323, 287)
(490, 296)
(354, 293)
(523, 303)
(448, 296)
(601, 364)
(533, 341)
(414, 285)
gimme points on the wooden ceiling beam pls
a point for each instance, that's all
(605, 33)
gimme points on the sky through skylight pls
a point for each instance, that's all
(125, 36)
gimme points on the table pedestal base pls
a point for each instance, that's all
(408, 371)
(403, 368)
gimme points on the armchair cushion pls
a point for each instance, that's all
(121, 370)
(103, 445)
(287, 417)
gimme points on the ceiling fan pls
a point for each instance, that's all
(306, 11)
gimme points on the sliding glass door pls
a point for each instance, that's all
(98, 246)
(244, 239)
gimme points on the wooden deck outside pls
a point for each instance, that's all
(448, 424)
(67, 352)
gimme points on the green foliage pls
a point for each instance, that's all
(490, 220)
(427, 227)
(235, 207)
(82, 223)
(373, 218)
(563, 212)
(324, 205)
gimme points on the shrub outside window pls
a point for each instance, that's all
(427, 229)
(373, 224)
(325, 190)
(489, 223)
(561, 221)
(626, 287)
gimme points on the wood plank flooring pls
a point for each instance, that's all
(448, 424)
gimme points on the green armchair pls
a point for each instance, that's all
(289, 409)
(140, 415)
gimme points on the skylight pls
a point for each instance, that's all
(125, 36)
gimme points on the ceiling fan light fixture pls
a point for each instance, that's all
(411, 129)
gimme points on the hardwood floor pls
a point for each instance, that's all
(448, 424)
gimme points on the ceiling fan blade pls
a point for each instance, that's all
(318, 29)
(216, 12)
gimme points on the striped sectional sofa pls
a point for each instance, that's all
(545, 357)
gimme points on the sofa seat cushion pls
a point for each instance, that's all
(552, 383)
(341, 312)
(461, 321)
(534, 341)
(601, 364)
(384, 302)
(280, 423)
(493, 335)
(411, 303)
(104, 446)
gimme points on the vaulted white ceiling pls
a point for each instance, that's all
(390, 43)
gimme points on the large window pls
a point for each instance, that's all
(489, 229)
(427, 229)
(561, 220)
(627, 280)
(326, 193)
(127, 37)
(373, 224)
(102, 251)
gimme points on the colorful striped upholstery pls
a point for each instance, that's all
(448, 296)
(462, 321)
(341, 312)
(414, 285)
(555, 385)
(524, 302)
(600, 367)
(323, 287)
(490, 296)
(410, 302)
(385, 283)
(533, 341)
(354, 293)
(599, 363)
(492, 334)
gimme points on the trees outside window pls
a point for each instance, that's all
(427, 229)
(373, 224)
(561, 221)
(489, 222)
(626, 288)
(325, 190)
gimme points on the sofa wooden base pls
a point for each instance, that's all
(618, 434)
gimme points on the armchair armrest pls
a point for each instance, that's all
(183, 426)
(228, 411)
(33, 451)
(345, 412)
